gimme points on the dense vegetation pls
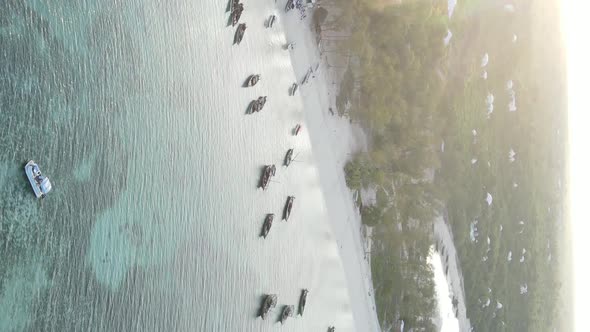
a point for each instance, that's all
(412, 93)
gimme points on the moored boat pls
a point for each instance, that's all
(270, 301)
(236, 13)
(40, 183)
(268, 172)
(257, 105)
(240, 33)
(287, 312)
(267, 224)
(288, 207)
(288, 157)
(302, 301)
(252, 80)
(297, 129)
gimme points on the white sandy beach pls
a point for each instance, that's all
(334, 139)
(444, 236)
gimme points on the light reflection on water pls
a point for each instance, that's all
(136, 113)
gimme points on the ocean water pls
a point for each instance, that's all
(136, 112)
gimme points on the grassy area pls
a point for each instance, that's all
(413, 95)
(526, 190)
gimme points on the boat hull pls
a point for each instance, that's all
(302, 301)
(293, 89)
(267, 173)
(239, 34)
(288, 207)
(269, 302)
(287, 312)
(267, 225)
(290, 5)
(288, 158)
(31, 176)
(252, 80)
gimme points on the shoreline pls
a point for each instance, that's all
(334, 139)
(344, 139)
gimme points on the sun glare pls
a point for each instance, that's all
(575, 25)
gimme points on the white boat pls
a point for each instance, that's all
(41, 185)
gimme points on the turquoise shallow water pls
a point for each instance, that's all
(134, 109)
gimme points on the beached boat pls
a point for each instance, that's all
(287, 312)
(293, 89)
(288, 157)
(271, 21)
(252, 80)
(267, 224)
(297, 129)
(288, 207)
(270, 301)
(40, 183)
(240, 33)
(302, 301)
(268, 172)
